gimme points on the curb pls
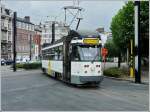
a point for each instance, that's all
(120, 79)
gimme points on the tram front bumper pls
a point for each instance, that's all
(85, 79)
(91, 78)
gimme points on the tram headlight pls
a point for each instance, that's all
(86, 66)
(98, 65)
(85, 71)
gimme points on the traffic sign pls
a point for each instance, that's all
(104, 51)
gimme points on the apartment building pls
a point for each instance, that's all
(24, 41)
(60, 31)
(6, 33)
(37, 42)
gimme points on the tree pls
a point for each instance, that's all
(144, 21)
(122, 25)
(112, 49)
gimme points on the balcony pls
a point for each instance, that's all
(6, 16)
(4, 28)
(4, 41)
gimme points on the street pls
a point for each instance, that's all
(34, 91)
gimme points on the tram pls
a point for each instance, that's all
(74, 59)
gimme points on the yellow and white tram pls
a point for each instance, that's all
(74, 59)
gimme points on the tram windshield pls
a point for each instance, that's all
(87, 53)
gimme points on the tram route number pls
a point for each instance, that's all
(91, 41)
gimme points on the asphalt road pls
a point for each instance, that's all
(33, 91)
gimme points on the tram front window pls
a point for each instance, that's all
(89, 53)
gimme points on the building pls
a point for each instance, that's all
(24, 41)
(37, 42)
(60, 31)
(100, 30)
(6, 33)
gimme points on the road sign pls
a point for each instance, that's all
(104, 51)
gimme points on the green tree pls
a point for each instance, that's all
(112, 49)
(122, 25)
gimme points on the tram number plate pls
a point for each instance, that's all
(91, 41)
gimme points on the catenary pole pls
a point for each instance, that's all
(14, 40)
(137, 43)
(30, 46)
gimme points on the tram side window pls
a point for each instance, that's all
(60, 53)
(75, 54)
(44, 56)
(56, 53)
(51, 54)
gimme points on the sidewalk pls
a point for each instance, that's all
(144, 72)
(144, 76)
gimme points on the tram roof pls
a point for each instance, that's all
(81, 34)
(87, 33)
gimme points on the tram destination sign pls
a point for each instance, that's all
(92, 41)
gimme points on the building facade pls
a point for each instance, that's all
(6, 33)
(24, 41)
(60, 31)
(37, 42)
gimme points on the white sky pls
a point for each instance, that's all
(96, 14)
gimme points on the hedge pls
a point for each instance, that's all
(115, 72)
(29, 65)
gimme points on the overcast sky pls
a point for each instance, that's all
(96, 13)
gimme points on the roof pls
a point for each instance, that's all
(81, 34)
(72, 7)
(23, 20)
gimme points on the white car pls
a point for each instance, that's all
(18, 61)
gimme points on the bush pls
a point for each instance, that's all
(115, 72)
(32, 65)
(19, 65)
(29, 65)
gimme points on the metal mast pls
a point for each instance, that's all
(74, 12)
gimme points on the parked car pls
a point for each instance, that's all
(3, 61)
(9, 62)
(19, 61)
(24, 60)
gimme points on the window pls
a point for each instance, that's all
(29, 26)
(89, 53)
(53, 53)
(21, 25)
(32, 27)
(75, 54)
(25, 26)
(60, 53)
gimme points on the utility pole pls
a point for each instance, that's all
(53, 32)
(0, 28)
(14, 40)
(30, 47)
(137, 43)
